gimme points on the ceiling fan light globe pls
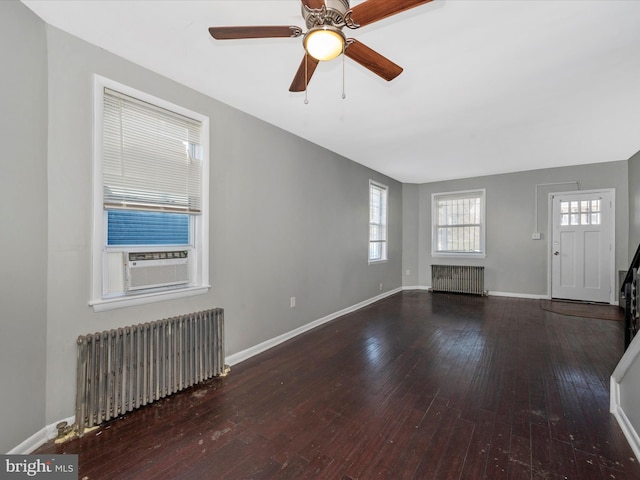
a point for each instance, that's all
(324, 43)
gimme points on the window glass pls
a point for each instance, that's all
(134, 227)
(458, 223)
(377, 222)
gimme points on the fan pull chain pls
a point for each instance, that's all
(344, 95)
(306, 99)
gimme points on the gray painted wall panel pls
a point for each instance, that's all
(410, 226)
(630, 384)
(23, 220)
(630, 394)
(634, 204)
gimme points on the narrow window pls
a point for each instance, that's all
(458, 223)
(377, 222)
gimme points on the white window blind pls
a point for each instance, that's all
(377, 222)
(152, 157)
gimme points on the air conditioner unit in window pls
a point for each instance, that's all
(145, 270)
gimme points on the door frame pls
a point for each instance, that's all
(613, 299)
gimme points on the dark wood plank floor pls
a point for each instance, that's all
(416, 386)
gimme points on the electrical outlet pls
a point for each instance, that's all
(535, 236)
(380, 287)
(407, 272)
(292, 302)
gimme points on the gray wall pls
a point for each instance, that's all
(410, 234)
(634, 204)
(630, 383)
(516, 264)
(630, 392)
(23, 223)
(288, 218)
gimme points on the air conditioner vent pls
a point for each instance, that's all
(146, 256)
(146, 270)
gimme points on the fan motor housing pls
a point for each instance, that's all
(331, 14)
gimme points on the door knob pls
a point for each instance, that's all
(556, 253)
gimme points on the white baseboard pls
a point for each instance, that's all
(628, 430)
(491, 293)
(416, 287)
(266, 345)
(630, 359)
(518, 295)
(34, 441)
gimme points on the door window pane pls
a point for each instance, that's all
(585, 212)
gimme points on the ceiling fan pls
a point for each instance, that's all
(324, 39)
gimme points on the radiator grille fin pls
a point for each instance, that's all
(458, 279)
(123, 369)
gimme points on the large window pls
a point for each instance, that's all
(150, 198)
(377, 222)
(458, 223)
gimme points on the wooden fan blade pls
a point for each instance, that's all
(313, 4)
(268, 31)
(372, 60)
(374, 10)
(308, 66)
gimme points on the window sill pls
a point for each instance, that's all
(458, 255)
(105, 304)
(375, 262)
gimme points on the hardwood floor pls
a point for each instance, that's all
(416, 386)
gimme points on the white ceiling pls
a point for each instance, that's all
(488, 86)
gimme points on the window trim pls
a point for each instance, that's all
(99, 301)
(385, 241)
(435, 197)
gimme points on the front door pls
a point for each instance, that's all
(582, 246)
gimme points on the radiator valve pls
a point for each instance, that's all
(65, 432)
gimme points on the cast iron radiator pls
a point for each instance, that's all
(458, 279)
(123, 369)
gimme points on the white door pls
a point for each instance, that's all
(582, 246)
